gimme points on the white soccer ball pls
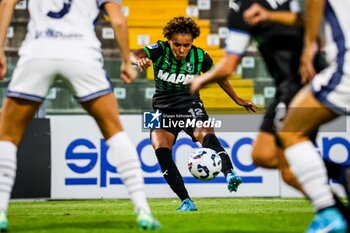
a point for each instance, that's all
(204, 164)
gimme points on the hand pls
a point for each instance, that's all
(255, 14)
(3, 65)
(196, 85)
(144, 63)
(128, 73)
(250, 106)
(306, 69)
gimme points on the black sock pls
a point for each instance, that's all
(170, 172)
(344, 210)
(346, 175)
(341, 174)
(212, 142)
(333, 170)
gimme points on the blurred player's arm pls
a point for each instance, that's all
(139, 58)
(120, 28)
(237, 42)
(226, 86)
(257, 14)
(6, 11)
(314, 15)
(221, 71)
(228, 89)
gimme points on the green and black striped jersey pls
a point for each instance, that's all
(172, 77)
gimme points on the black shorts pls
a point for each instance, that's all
(285, 91)
(171, 119)
(276, 113)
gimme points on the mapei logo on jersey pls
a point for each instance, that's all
(151, 120)
(183, 79)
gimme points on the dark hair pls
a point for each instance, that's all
(181, 25)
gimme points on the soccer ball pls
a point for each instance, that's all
(204, 164)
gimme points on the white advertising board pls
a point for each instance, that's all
(80, 167)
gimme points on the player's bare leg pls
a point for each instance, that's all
(286, 173)
(305, 115)
(267, 154)
(162, 138)
(124, 156)
(265, 150)
(15, 116)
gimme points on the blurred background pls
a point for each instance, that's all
(146, 19)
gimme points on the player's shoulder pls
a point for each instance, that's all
(152, 46)
(199, 50)
(159, 45)
(195, 47)
(205, 54)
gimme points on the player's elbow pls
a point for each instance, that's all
(225, 72)
(119, 22)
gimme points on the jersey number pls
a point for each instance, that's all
(59, 14)
(197, 112)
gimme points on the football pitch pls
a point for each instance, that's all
(239, 215)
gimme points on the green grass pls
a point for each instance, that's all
(215, 215)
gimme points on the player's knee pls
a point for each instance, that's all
(162, 139)
(264, 158)
(203, 135)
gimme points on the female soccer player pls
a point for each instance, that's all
(61, 41)
(176, 62)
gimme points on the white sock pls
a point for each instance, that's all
(8, 165)
(311, 173)
(125, 158)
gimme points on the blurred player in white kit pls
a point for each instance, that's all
(61, 40)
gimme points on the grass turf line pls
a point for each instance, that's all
(214, 215)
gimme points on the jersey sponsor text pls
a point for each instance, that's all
(175, 78)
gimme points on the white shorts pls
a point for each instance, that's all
(332, 86)
(32, 80)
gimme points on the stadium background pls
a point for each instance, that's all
(63, 155)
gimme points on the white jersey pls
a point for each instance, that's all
(337, 30)
(331, 86)
(62, 29)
